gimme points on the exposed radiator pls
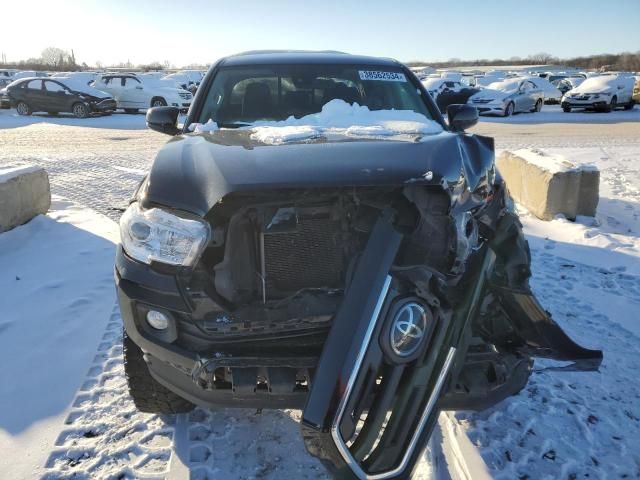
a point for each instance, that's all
(310, 257)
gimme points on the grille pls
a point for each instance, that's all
(310, 257)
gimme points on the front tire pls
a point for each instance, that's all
(612, 105)
(80, 110)
(148, 395)
(538, 106)
(23, 109)
(566, 109)
(509, 110)
(158, 102)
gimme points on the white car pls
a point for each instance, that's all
(507, 97)
(602, 93)
(131, 94)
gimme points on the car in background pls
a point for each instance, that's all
(447, 92)
(569, 83)
(183, 81)
(84, 77)
(4, 98)
(604, 93)
(57, 95)
(131, 94)
(7, 72)
(29, 74)
(507, 97)
(551, 93)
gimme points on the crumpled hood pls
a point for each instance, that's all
(489, 94)
(194, 172)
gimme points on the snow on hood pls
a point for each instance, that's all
(507, 87)
(77, 85)
(337, 117)
(490, 94)
(599, 84)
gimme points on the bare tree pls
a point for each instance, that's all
(52, 56)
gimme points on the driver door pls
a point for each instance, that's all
(57, 96)
(133, 94)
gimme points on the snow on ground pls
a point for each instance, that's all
(587, 274)
(55, 303)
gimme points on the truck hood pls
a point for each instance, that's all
(193, 172)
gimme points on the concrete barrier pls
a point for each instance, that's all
(548, 185)
(24, 193)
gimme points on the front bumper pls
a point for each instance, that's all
(185, 371)
(107, 105)
(586, 104)
(489, 108)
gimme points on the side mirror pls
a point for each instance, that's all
(163, 120)
(461, 117)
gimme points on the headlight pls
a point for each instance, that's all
(157, 235)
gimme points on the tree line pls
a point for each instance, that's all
(626, 61)
(58, 60)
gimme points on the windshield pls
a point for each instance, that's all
(242, 95)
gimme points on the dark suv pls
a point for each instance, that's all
(369, 277)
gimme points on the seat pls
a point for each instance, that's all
(257, 102)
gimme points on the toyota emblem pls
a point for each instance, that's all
(408, 329)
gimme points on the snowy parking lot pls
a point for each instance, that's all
(64, 407)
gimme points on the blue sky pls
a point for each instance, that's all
(189, 31)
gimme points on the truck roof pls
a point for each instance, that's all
(293, 57)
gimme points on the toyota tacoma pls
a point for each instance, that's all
(316, 236)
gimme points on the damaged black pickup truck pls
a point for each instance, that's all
(369, 272)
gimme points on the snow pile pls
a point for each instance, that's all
(553, 163)
(9, 172)
(337, 117)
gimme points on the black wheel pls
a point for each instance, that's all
(131, 110)
(630, 105)
(23, 109)
(612, 105)
(509, 110)
(158, 102)
(80, 110)
(538, 106)
(566, 109)
(148, 395)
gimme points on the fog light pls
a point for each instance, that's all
(157, 320)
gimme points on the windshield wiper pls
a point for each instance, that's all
(232, 124)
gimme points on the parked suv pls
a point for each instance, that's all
(131, 94)
(60, 95)
(602, 93)
(316, 236)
